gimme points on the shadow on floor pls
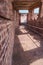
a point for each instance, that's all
(18, 54)
(21, 57)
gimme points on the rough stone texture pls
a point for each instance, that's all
(6, 8)
(6, 42)
(6, 32)
(29, 15)
(35, 23)
(9, 21)
(16, 19)
(41, 14)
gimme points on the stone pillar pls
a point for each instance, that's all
(39, 11)
(17, 19)
(30, 15)
(33, 14)
(41, 14)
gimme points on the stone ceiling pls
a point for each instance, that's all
(26, 4)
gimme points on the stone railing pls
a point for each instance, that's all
(36, 26)
(6, 41)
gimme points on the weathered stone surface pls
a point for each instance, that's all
(6, 32)
(6, 9)
(16, 19)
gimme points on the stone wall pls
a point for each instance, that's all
(6, 32)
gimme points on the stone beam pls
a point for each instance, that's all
(26, 4)
(26, 0)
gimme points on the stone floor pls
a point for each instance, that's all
(28, 48)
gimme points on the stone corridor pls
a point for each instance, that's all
(28, 48)
(21, 43)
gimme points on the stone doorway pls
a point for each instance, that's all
(23, 19)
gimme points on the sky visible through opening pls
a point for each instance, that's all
(23, 11)
(36, 10)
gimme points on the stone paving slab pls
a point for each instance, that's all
(28, 48)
